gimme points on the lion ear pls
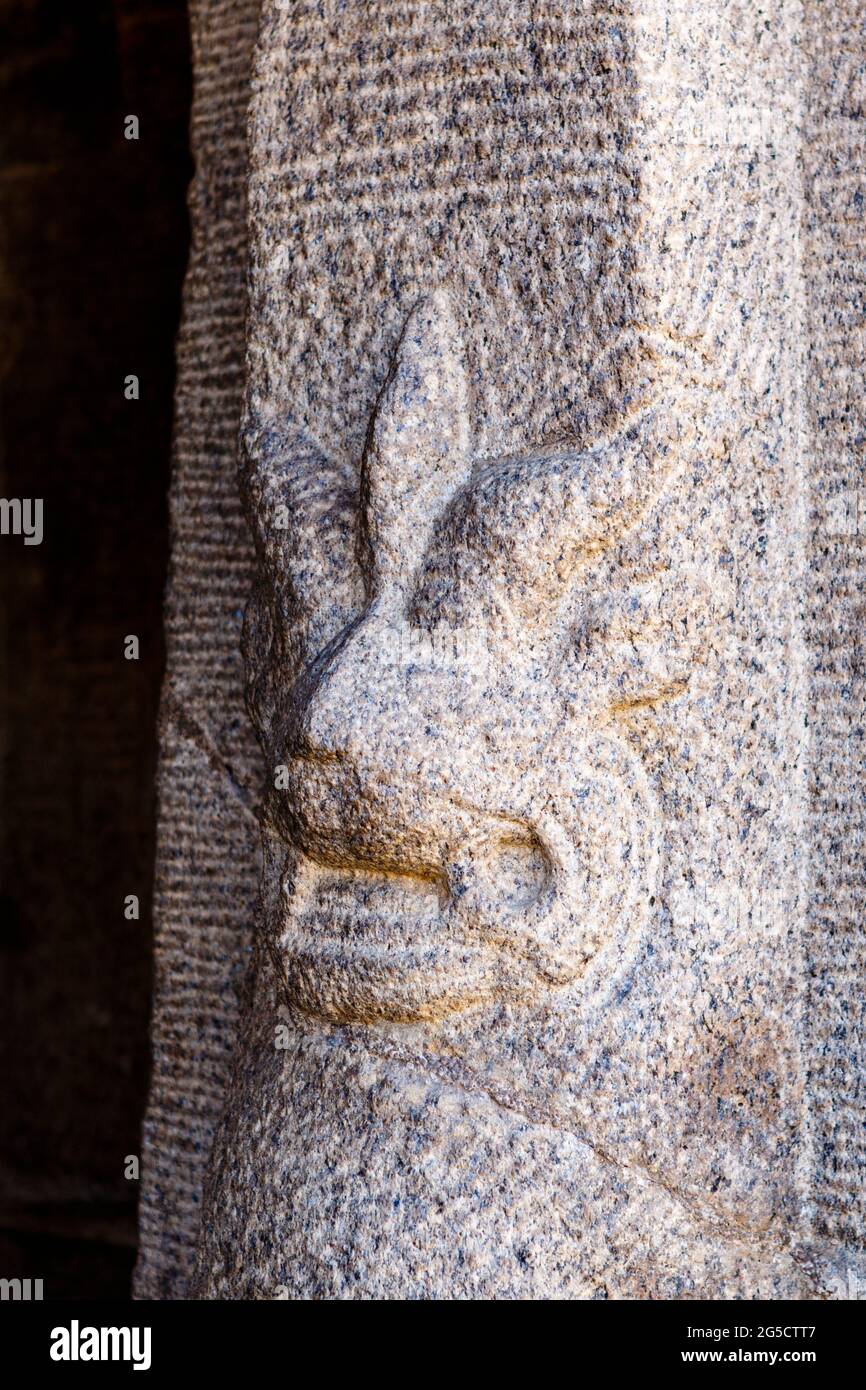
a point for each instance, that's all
(526, 527)
(301, 504)
(417, 452)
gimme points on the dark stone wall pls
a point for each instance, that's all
(93, 245)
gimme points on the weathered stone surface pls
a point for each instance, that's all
(524, 459)
(209, 773)
(834, 157)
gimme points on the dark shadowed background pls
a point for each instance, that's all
(93, 244)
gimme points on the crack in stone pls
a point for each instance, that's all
(712, 1222)
(175, 716)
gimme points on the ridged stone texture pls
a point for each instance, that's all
(549, 988)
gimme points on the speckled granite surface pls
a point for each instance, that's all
(834, 159)
(210, 768)
(539, 993)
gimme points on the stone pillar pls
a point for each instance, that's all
(834, 157)
(210, 770)
(523, 448)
